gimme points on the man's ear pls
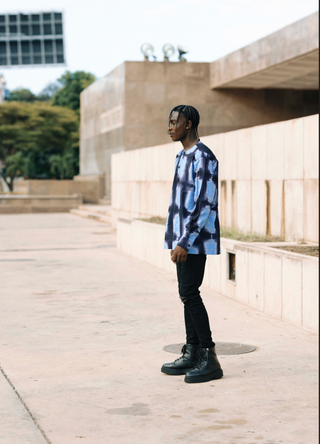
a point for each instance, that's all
(189, 124)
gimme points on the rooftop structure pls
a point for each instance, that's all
(286, 59)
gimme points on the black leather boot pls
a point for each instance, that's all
(208, 368)
(186, 362)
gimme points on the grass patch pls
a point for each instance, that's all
(155, 220)
(309, 250)
(231, 233)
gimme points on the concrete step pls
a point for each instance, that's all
(92, 215)
(99, 209)
(105, 201)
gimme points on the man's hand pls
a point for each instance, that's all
(179, 254)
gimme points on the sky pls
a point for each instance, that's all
(101, 34)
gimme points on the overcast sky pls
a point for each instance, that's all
(101, 34)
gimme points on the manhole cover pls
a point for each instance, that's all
(222, 348)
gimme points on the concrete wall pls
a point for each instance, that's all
(38, 204)
(280, 283)
(90, 187)
(129, 108)
(102, 124)
(268, 179)
(256, 65)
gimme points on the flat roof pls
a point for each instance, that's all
(286, 59)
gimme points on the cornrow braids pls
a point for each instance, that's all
(190, 113)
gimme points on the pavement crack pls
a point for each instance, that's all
(26, 407)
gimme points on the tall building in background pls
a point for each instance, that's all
(31, 39)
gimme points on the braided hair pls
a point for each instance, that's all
(190, 113)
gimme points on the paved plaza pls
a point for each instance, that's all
(82, 332)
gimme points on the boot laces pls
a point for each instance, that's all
(202, 359)
(183, 351)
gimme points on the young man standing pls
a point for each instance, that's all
(192, 232)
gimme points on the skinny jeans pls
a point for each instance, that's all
(190, 276)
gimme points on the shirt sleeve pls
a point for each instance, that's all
(205, 198)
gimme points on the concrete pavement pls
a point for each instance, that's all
(82, 332)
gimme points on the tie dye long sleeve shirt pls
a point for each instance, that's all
(193, 221)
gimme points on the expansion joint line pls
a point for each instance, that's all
(26, 407)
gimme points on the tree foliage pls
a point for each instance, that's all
(62, 164)
(39, 134)
(22, 95)
(37, 131)
(72, 84)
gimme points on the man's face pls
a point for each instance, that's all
(177, 127)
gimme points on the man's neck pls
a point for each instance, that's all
(187, 144)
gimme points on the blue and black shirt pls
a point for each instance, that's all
(193, 221)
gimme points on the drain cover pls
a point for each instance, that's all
(222, 348)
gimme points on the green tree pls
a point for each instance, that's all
(15, 167)
(48, 92)
(22, 95)
(62, 165)
(39, 131)
(68, 95)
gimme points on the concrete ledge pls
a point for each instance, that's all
(18, 204)
(287, 58)
(91, 187)
(278, 282)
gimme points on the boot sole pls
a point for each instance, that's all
(173, 371)
(204, 378)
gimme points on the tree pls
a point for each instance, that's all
(62, 165)
(49, 91)
(37, 131)
(15, 167)
(72, 84)
(21, 95)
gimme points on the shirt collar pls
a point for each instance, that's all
(190, 151)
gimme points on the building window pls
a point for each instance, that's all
(13, 29)
(36, 46)
(37, 60)
(231, 257)
(48, 47)
(47, 30)
(46, 17)
(58, 28)
(25, 29)
(35, 29)
(59, 45)
(49, 59)
(26, 60)
(25, 47)
(13, 47)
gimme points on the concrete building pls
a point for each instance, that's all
(271, 80)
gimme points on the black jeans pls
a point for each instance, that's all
(190, 275)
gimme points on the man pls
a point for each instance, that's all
(192, 232)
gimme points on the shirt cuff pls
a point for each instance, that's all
(186, 242)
